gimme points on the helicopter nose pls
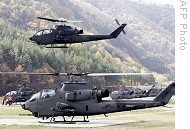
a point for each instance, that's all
(34, 39)
(31, 38)
(23, 106)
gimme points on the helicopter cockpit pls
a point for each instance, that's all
(44, 94)
(42, 32)
(35, 97)
(48, 93)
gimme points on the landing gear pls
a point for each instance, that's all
(52, 120)
(85, 119)
(45, 118)
(58, 46)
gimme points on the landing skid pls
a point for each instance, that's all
(58, 122)
(64, 121)
(56, 46)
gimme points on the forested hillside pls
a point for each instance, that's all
(147, 46)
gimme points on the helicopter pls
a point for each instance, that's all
(153, 91)
(21, 95)
(79, 99)
(65, 34)
(129, 93)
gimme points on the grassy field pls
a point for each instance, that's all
(154, 118)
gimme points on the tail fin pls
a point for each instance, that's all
(166, 94)
(115, 33)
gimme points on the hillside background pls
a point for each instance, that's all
(148, 45)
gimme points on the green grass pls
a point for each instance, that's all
(153, 118)
(12, 111)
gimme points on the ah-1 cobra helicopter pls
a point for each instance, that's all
(130, 93)
(64, 34)
(21, 95)
(78, 99)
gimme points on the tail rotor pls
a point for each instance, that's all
(120, 25)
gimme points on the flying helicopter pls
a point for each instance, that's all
(78, 99)
(65, 34)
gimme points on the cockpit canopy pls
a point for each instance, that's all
(11, 93)
(44, 94)
(48, 93)
(42, 32)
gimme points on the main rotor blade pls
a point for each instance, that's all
(101, 74)
(48, 19)
(25, 73)
(116, 74)
(77, 74)
(55, 20)
(12, 72)
(73, 21)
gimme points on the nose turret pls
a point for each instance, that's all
(31, 38)
(35, 39)
(23, 106)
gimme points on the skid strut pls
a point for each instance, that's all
(72, 121)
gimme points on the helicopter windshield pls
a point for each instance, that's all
(35, 97)
(41, 32)
(11, 93)
(48, 93)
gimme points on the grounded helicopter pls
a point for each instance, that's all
(20, 95)
(64, 34)
(153, 91)
(129, 93)
(78, 99)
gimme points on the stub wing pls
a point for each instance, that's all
(63, 107)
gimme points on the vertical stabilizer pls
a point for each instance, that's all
(115, 33)
(166, 94)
